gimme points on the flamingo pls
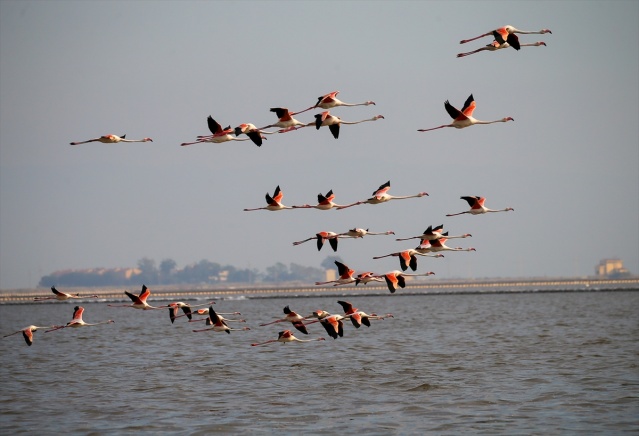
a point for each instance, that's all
(333, 324)
(284, 337)
(139, 301)
(219, 134)
(464, 118)
(273, 203)
(334, 123)
(252, 132)
(366, 277)
(345, 275)
(381, 196)
(330, 100)
(360, 233)
(359, 317)
(77, 321)
(61, 296)
(408, 258)
(477, 207)
(186, 308)
(205, 312)
(322, 237)
(395, 279)
(219, 324)
(293, 317)
(507, 34)
(112, 139)
(440, 245)
(27, 332)
(494, 46)
(324, 202)
(432, 233)
(286, 121)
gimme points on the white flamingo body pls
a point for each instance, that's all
(285, 337)
(464, 118)
(477, 207)
(274, 203)
(494, 46)
(112, 139)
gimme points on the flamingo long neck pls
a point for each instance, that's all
(361, 121)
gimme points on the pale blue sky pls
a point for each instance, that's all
(70, 71)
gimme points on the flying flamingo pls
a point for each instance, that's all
(77, 321)
(322, 237)
(286, 121)
(112, 139)
(359, 317)
(360, 233)
(381, 196)
(27, 332)
(395, 279)
(205, 312)
(324, 202)
(61, 296)
(252, 132)
(432, 233)
(464, 118)
(333, 324)
(507, 34)
(274, 202)
(219, 134)
(334, 123)
(477, 207)
(345, 275)
(284, 337)
(330, 101)
(293, 317)
(408, 258)
(186, 308)
(437, 245)
(494, 46)
(219, 325)
(367, 277)
(139, 301)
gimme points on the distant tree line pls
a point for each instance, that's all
(202, 272)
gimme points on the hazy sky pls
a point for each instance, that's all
(71, 71)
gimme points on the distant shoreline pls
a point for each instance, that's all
(413, 287)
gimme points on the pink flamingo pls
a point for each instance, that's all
(77, 321)
(112, 139)
(367, 277)
(324, 202)
(432, 233)
(395, 279)
(381, 196)
(219, 324)
(293, 317)
(286, 122)
(322, 237)
(274, 203)
(219, 134)
(359, 317)
(285, 337)
(507, 34)
(27, 332)
(61, 296)
(345, 275)
(494, 46)
(139, 301)
(464, 118)
(408, 258)
(437, 245)
(477, 207)
(334, 123)
(330, 100)
(252, 132)
(333, 324)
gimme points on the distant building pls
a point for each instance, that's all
(611, 268)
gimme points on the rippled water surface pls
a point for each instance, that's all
(551, 363)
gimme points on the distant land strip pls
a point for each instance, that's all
(413, 287)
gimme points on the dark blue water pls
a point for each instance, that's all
(558, 363)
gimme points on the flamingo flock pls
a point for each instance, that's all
(432, 240)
